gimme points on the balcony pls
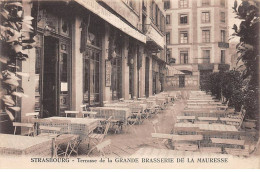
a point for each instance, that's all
(154, 40)
(223, 67)
(223, 45)
(206, 66)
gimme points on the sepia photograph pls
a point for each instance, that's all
(129, 84)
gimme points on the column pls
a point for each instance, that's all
(105, 91)
(77, 66)
(27, 83)
(150, 77)
(135, 74)
(125, 69)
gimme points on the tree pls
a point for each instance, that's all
(16, 37)
(248, 51)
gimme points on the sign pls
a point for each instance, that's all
(94, 7)
(108, 73)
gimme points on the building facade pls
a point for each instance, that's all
(90, 52)
(197, 40)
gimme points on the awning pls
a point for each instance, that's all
(184, 67)
(173, 71)
(94, 7)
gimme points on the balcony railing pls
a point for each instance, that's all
(223, 45)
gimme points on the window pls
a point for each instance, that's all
(184, 37)
(183, 3)
(222, 3)
(205, 2)
(151, 10)
(183, 18)
(168, 19)
(205, 17)
(205, 35)
(168, 38)
(223, 36)
(206, 56)
(167, 5)
(184, 57)
(222, 17)
(91, 76)
(168, 53)
(222, 56)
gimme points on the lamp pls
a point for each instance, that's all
(132, 61)
(113, 54)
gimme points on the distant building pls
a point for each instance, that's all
(197, 39)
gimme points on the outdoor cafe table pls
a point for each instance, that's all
(25, 145)
(78, 126)
(119, 114)
(204, 103)
(201, 100)
(204, 113)
(211, 130)
(203, 107)
(208, 127)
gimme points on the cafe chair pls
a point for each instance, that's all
(100, 148)
(32, 115)
(71, 113)
(29, 126)
(97, 138)
(87, 112)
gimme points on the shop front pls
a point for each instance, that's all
(52, 61)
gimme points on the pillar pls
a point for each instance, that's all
(125, 69)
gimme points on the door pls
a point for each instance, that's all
(55, 77)
(147, 68)
(182, 81)
(49, 90)
(204, 78)
(91, 78)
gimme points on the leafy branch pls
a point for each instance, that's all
(16, 38)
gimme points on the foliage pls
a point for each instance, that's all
(248, 52)
(16, 37)
(230, 85)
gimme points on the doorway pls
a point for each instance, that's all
(182, 81)
(147, 68)
(49, 80)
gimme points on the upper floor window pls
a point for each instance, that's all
(183, 19)
(183, 37)
(168, 19)
(205, 17)
(206, 56)
(168, 38)
(223, 3)
(167, 5)
(205, 2)
(168, 53)
(223, 56)
(183, 3)
(205, 35)
(184, 56)
(222, 17)
(223, 36)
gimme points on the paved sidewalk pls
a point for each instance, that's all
(126, 143)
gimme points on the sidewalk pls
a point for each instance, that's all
(125, 144)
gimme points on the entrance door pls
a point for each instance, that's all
(204, 78)
(147, 68)
(49, 80)
(182, 81)
(55, 77)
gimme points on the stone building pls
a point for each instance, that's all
(89, 52)
(197, 39)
